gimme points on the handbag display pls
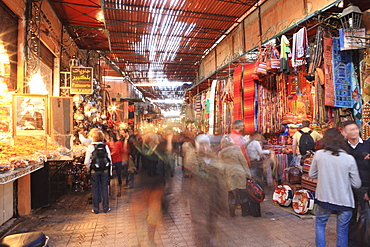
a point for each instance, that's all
(273, 59)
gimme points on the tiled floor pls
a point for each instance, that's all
(69, 222)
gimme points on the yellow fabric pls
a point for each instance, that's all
(316, 136)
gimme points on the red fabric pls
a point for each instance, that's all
(116, 150)
(238, 92)
(329, 82)
(249, 98)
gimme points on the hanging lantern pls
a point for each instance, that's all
(351, 17)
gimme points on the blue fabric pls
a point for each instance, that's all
(342, 75)
(331, 206)
(343, 219)
(99, 183)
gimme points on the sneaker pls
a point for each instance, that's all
(107, 210)
(93, 211)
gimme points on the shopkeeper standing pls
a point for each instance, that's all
(306, 144)
(360, 150)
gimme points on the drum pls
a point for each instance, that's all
(303, 201)
(283, 195)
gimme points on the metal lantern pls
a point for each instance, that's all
(351, 17)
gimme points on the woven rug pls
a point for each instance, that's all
(249, 99)
(342, 74)
(329, 82)
(238, 93)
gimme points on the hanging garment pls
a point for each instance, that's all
(284, 55)
(300, 48)
(249, 93)
(329, 82)
(238, 92)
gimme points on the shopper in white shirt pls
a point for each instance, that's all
(256, 156)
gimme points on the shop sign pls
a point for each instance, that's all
(81, 80)
(352, 39)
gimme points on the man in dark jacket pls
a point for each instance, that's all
(360, 149)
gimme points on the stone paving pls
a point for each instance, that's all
(70, 222)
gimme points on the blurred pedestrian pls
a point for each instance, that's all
(236, 173)
(237, 136)
(208, 195)
(336, 172)
(256, 156)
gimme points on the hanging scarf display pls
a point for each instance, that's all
(365, 77)
(272, 103)
(356, 96)
(317, 54)
(238, 92)
(198, 108)
(249, 92)
(329, 82)
(342, 75)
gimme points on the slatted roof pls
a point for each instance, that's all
(155, 41)
(152, 40)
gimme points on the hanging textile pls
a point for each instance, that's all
(300, 48)
(329, 82)
(342, 75)
(198, 108)
(366, 98)
(284, 54)
(356, 96)
(249, 93)
(238, 92)
(131, 113)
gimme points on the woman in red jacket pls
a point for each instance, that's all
(116, 149)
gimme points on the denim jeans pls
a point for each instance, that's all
(119, 168)
(99, 183)
(343, 218)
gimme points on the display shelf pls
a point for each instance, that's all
(15, 174)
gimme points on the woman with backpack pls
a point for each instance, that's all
(99, 162)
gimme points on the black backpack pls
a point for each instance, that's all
(99, 158)
(306, 142)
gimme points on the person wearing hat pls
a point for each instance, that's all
(236, 172)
